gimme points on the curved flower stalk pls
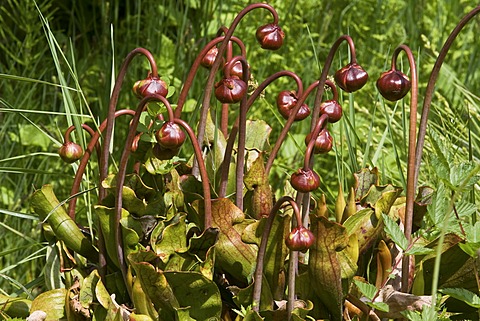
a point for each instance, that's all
(70, 151)
(221, 50)
(431, 86)
(263, 246)
(113, 105)
(411, 183)
(123, 167)
(196, 64)
(288, 125)
(234, 131)
(86, 157)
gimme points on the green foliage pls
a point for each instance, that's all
(58, 66)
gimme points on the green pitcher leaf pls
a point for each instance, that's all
(173, 240)
(48, 208)
(15, 307)
(157, 288)
(381, 198)
(366, 226)
(52, 303)
(324, 267)
(364, 180)
(233, 256)
(106, 217)
(197, 292)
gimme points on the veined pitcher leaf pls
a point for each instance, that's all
(173, 240)
(157, 288)
(324, 267)
(364, 180)
(52, 303)
(197, 292)
(233, 256)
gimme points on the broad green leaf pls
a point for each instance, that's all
(51, 302)
(257, 133)
(394, 232)
(367, 289)
(324, 266)
(252, 316)
(195, 291)
(47, 206)
(380, 306)
(463, 295)
(470, 248)
(419, 250)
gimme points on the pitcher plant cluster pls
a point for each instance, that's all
(205, 238)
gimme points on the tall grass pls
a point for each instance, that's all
(59, 61)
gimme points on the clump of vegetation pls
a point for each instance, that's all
(172, 216)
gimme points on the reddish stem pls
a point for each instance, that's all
(411, 156)
(203, 173)
(221, 50)
(257, 286)
(196, 64)
(113, 105)
(286, 127)
(431, 87)
(84, 161)
(233, 133)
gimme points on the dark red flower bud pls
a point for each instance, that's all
(70, 152)
(300, 239)
(323, 143)
(332, 109)
(286, 101)
(164, 153)
(170, 136)
(393, 85)
(351, 78)
(237, 70)
(209, 58)
(150, 86)
(230, 90)
(305, 180)
(270, 36)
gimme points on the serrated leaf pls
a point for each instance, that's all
(463, 295)
(394, 232)
(419, 250)
(367, 289)
(381, 306)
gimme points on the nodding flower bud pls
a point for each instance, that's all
(170, 136)
(270, 36)
(209, 58)
(286, 101)
(300, 239)
(332, 109)
(323, 143)
(70, 152)
(305, 181)
(393, 85)
(150, 86)
(230, 90)
(351, 78)
(237, 70)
